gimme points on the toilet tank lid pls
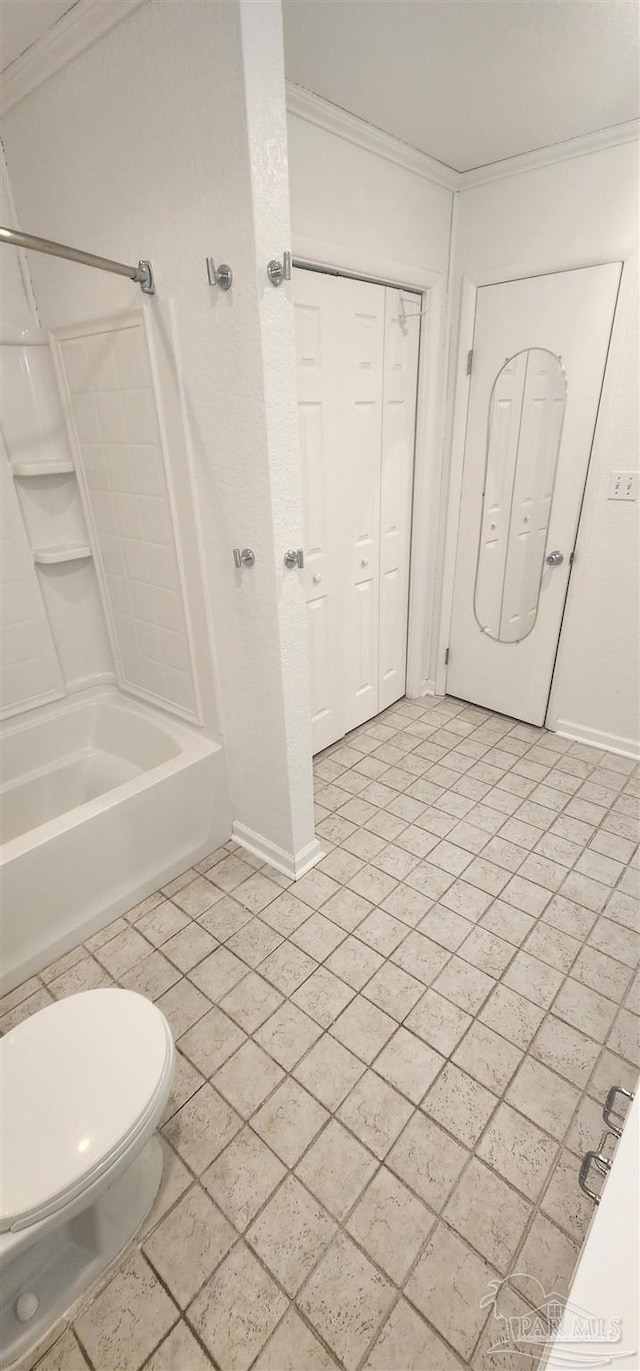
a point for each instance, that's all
(77, 1081)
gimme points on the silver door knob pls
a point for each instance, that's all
(317, 578)
(555, 558)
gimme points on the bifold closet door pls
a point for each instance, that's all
(357, 357)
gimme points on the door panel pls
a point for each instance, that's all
(402, 332)
(316, 325)
(361, 379)
(567, 316)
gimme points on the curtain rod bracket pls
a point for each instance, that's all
(144, 277)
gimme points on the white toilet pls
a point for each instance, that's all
(84, 1083)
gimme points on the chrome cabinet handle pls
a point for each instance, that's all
(294, 557)
(603, 1165)
(246, 557)
(609, 1108)
(555, 558)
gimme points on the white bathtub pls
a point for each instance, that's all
(103, 801)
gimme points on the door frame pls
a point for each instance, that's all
(456, 431)
(313, 253)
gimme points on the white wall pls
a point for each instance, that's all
(345, 195)
(576, 213)
(147, 144)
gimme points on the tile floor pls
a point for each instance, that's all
(387, 1073)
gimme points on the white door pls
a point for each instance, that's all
(539, 353)
(357, 357)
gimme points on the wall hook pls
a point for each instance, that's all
(279, 271)
(246, 557)
(221, 276)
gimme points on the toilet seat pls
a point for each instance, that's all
(81, 1081)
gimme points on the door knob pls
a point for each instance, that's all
(294, 557)
(555, 558)
(317, 578)
(364, 561)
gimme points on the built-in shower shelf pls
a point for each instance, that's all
(42, 468)
(63, 552)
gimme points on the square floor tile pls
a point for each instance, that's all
(336, 1169)
(428, 1160)
(460, 1104)
(391, 1224)
(160, 923)
(375, 1112)
(421, 957)
(448, 1285)
(363, 1028)
(346, 909)
(346, 1300)
(406, 904)
(382, 932)
(518, 1150)
(408, 1064)
(251, 1001)
(197, 896)
(183, 1005)
(189, 1244)
(564, 1202)
(329, 1071)
(488, 1213)
(318, 937)
(584, 1009)
(543, 1097)
(464, 985)
(486, 951)
(553, 946)
(257, 893)
(127, 1318)
(242, 1177)
(534, 979)
(289, 1121)
(323, 996)
(201, 1129)
(394, 990)
(488, 1057)
(238, 1309)
(354, 962)
(210, 1041)
(291, 1233)
(224, 918)
(315, 889)
(512, 1016)
(190, 946)
(254, 941)
(218, 973)
(467, 900)
(247, 1078)
(287, 967)
(444, 927)
(601, 973)
(372, 883)
(287, 1035)
(285, 913)
(565, 1050)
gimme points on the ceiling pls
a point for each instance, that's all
(470, 81)
(22, 22)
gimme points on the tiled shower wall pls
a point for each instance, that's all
(121, 461)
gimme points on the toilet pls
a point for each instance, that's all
(84, 1083)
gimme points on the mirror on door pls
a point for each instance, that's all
(526, 413)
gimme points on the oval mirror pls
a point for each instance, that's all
(526, 414)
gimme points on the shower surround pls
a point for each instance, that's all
(112, 773)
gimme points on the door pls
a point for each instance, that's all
(357, 358)
(539, 353)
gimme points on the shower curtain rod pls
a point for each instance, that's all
(142, 274)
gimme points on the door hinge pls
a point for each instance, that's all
(446, 656)
(572, 557)
(469, 361)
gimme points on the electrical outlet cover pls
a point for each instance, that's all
(623, 485)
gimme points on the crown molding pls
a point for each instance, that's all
(556, 152)
(75, 31)
(315, 110)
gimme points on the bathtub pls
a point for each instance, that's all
(103, 800)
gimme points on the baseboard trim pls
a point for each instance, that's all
(595, 737)
(292, 864)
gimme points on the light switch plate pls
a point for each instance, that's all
(623, 485)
